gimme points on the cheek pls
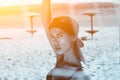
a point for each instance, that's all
(62, 40)
(65, 42)
(52, 42)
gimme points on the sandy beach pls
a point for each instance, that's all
(23, 57)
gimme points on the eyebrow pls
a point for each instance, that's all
(57, 34)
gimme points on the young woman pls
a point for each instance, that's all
(62, 33)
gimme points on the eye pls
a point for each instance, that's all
(60, 35)
(51, 36)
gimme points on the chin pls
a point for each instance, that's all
(59, 52)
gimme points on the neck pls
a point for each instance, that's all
(70, 49)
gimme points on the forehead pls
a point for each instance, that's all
(56, 30)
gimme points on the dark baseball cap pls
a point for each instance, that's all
(67, 24)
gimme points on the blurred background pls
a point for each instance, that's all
(25, 52)
(15, 13)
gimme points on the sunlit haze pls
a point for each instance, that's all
(24, 2)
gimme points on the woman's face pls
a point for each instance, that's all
(60, 40)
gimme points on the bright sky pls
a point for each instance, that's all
(23, 2)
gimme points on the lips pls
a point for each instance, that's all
(57, 47)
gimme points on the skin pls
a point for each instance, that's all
(62, 43)
(60, 40)
(46, 19)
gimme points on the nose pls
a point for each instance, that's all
(56, 42)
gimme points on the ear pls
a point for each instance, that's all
(80, 43)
